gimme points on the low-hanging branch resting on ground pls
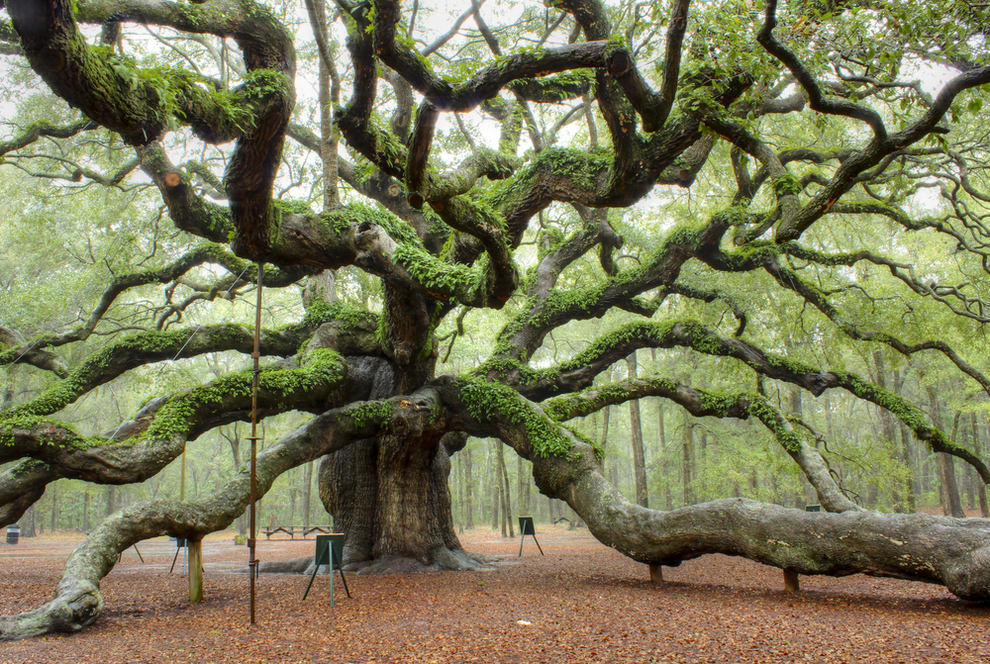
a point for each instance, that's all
(951, 552)
(78, 601)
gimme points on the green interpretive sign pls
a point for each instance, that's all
(527, 527)
(329, 551)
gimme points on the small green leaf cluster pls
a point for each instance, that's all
(431, 272)
(371, 412)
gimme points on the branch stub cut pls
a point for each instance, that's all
(619, 64)
(416, 200)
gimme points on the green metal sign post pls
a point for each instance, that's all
(526, 527)
(329, 551)
(180, 543)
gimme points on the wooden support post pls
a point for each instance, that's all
(656, 573)
(195, 570)
(792, 583)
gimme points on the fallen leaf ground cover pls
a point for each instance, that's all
(581, 602)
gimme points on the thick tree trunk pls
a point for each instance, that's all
(349, 491)
(390, 496)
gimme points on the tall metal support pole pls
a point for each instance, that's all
(252, 541)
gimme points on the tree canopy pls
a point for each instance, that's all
(769, 196)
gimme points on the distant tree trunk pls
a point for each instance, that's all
(979, 447)
(638, 453)
(458, 464)
(664, 469)
(506, 494)
(469, 489)
(235, 451)
(524, 482)
(949, 493)
(496, 484)
(911, 482)
(292, 502)
(606, 415)
(827, 405)
(951, 505)
(687, 461)
(85, 514)
(961, 436)
(887, 424)
(27, 523)
(308, 494)
(661, 432)
(54, 492)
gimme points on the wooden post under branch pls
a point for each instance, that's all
(656, 573)
(195, 570)
(792, 582)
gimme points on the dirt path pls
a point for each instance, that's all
(582, 602)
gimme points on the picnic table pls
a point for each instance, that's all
(292, 531)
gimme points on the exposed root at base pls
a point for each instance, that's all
(443, 560)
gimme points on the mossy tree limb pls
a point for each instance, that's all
(78, 602)
(837, 544)
(705, 403)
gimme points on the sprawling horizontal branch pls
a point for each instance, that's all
(579, 372)
(150, 347)
(918, 547)
(487, 82)
(26, 353)
(880, 148)
(705, 403)
(816, 98)
(121, 284)
(97, 84)
(140, 448)
(39, 129)
(766, 255)
(383, 245)
(523, 336)
(78, 602)
(121, 98)
(181, 417)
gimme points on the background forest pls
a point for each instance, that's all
(73, 218)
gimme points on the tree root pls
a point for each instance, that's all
(444, 559)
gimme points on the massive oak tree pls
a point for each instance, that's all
(486, 165)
